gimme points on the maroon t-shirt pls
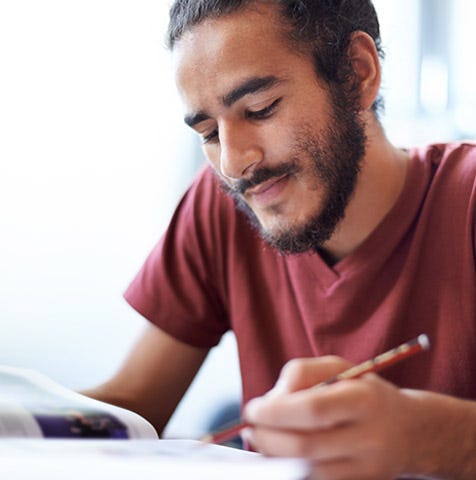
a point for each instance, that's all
(414, 274)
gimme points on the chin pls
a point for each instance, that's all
(275, 227)
(280, 222)
(298, 237)
(280, 232)
(281, 235)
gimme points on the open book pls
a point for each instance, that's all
(34, 406)
(43, 427)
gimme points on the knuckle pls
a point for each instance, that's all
(335, 361)
(294, 366)
(295, 371)
(305, 372)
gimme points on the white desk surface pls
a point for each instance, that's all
(142, 459)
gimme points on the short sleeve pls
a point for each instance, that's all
(177, 287)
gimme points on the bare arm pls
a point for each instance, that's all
(365, 428)
(153, 378)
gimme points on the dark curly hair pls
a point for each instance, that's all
(321, 28)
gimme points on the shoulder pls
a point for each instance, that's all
(455, 156)
(448, 177)
(210, 214)
(203, 203)
(206, 193)
(447, 167)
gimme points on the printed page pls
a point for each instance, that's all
(32, 405)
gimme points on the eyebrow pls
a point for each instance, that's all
(250, 86)
(192, 119)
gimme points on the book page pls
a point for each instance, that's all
(32, 405)
(16, 421)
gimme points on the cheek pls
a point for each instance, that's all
(212, 155)
(280, 138)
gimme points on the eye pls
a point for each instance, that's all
(264, 112)
(213, 136)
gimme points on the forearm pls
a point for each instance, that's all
(154, 377)
(156, 411)
(445, 429)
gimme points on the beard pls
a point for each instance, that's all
(335, 154)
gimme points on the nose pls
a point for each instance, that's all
(240, 151)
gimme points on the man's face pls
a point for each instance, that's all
(285, 147)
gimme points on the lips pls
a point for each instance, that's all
(268, 191)
(264, 186)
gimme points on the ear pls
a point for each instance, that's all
(366, 66)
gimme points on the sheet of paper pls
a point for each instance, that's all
(145, 459)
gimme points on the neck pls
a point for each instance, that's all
(379, 184)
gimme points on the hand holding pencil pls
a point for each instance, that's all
(356, 429)
(374, 365)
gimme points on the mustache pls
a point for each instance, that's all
(262, 175)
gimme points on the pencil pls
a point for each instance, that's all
(384, 360)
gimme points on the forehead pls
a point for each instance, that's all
(215, 55)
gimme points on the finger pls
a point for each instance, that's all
(342, 452)
(302, 373)
(344, 402)
(318, 446)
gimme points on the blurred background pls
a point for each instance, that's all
(94, 157)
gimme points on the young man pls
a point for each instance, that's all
(318, 243)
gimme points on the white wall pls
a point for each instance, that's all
(84, 182)
(93, 157)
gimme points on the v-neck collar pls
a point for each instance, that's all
(380, 242)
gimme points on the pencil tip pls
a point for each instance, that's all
(206, 438)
